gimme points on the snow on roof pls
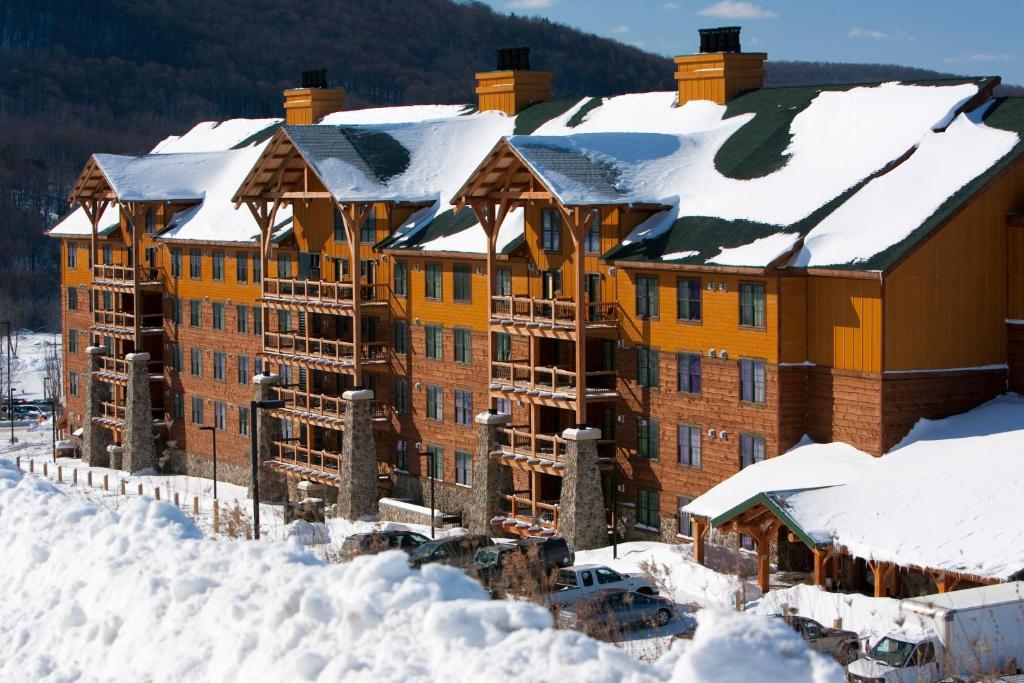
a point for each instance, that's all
(408, 114)
(215, 135)
(161, 177)
(474, 240)
(807, 465)
(76, 223)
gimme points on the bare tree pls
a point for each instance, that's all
(54, 373)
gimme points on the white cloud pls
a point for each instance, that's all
(983, 57)
(529, 4)
(671, 5)
(621, 29)
(867, 33)
(736, 9)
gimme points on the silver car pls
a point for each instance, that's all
(605, 613)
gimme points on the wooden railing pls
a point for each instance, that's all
(317, 404)
(551, 311)
(521, 441)
(327, 349)
(318, 291)
(303, 456)
(113, 411)
(126, 274)
(122, 319)
(537, 512)
(113, 366)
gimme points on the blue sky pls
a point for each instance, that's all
(980, 37)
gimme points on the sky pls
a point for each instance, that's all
(981, 37)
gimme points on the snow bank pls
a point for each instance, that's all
(871, 618)
(211, 135)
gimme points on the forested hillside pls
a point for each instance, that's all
(117, 76)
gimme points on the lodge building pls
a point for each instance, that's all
(555, 308)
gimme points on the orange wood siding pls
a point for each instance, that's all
(793, 319)
(844, 323)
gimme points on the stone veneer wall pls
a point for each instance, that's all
(451, 498)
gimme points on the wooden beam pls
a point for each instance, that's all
(353, 217)
(700, 530)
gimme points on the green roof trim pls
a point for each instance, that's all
(577, 118)
(536, 115)
(773, 500)
(259, 136)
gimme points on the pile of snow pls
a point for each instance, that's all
(214, 135)
(870, 617)
(138, 594)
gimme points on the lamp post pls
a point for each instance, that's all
(253, 407)
(430, 468)
(213, 433)
(48, 394)
(10, 388)
(615, 512)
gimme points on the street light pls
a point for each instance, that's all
(53, 416)
(213, 433)
(253, 407)
(10, 388)
(430, 468)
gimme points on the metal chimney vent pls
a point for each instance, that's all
(721, 39)
(513, 59)
(314, 79)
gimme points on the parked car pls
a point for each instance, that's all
(843, 646)
(553, 551)
(608, 612)
(373, 542)
(574, 583)
(456, 551)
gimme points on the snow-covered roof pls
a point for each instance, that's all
(162, 177)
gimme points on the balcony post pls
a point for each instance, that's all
(139, 445)
(581, 518)
(357, 488)
(491, 479)
(267, 429)
(95, 438)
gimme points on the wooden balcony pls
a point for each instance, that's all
(111, 415)
(551, 385)
(525, 517)
(320, 296)
(105, 276)
(543, 453)
(308, 463)
(116, 370)
(122, 324)
(332, 354)
(321, 410)
(553, 318)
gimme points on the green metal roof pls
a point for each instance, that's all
(775, 502)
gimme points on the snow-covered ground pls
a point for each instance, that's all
(28, 367)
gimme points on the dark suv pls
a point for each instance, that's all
(373, 542)
(553, 552)
(843, 646)
(525, 566)
(456, 551)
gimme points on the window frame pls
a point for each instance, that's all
(689, 431)
(435, 402)
(463, 345)
(400, 277)
(551, 231)
(753, 440)
(217, 266)
(241, 267)
(684, 283)
(433, 341)
(757, 366)
(648, 515)
(195, 264)
(463, 468)
(433, 282)
(753, 288)
(650, 297)
(647, 439)
(462, 279)
(648, 371)
(686, 359)
(463, 410)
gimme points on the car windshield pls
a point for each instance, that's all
(486, 557)
(425, 550)
(419, 538)
(891, 651)
(565, 579)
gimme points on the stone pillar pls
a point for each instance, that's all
(139, 444)
(95, 438)
(490, 477)
(115, 455)
(273, 486)
(357, 491)
(581, 506)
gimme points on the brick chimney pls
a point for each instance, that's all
(513, 86)
(313, 101)
(721, 71)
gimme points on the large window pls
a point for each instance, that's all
(503, 282)
(242, 318)
(368, 234)
(401, 342)
(72, 299)
(243, 421)
(646, 297)
(401, 395)
(339, 226)
(72, 341)
(150, 220)
(197, 410)
(435, 402)
(219, 365)
(72, 255)
(647, 367)
(402, 455)
(689, 445)
(176, 310)
(218, 315)
(435, 461)
(73, 383)
(178, 405)
(751, 449)
(241, 267)
(463, 407)
(463, 277)
(175, 262)
(195, 263)
(551, 230)
(752, 380)
(401, 278)
(592, 244)
(688, 372)
(647, 439)
(464, 468)
(463, 345)
(647, 503)
(243, 370)
(284, 265)
(433, 281)
(752, 304)
(218, 265)
(688, 299)
(220, 415)
(502, 347)
(257, 320)
(196, 361)
(195, 313)
(257, 268)
(434, 340)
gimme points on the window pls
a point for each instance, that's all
(197, 410)
(284, 265)
(401, 340)
(689, 445)
(242, 317)
(592, 243)
(177, 358)
(503, 282)
(647, 504)
(243, 369)
(219, 365)
(72, 299)
(463, 277)
(72, 255)
(683, 520)
(257, 320)
(503, 346)
(218, 315)
(647, 297)
(72, 341)
(339, 226)
(401, 278)
(435, 400)
(688, 299)
(402, 455)
(196, 361)
(176, 310)
(433, 281)
(463, 345)
(177, 406)
(257, 268)
(688, 372)
(195, 264)
(503, 405)
(751, 449)
(73, 383)
(150, 220)
(220, 415)
(752, 304)
(435, 344)
(368, 234)
(607, 355)
(608, 423)
(108, 301)
(341, 266)
(435, 461)
(284, 321)
(647, 367)
(464, 468)
(241, 267)
(309, 265)
(647, 439)
(551, 230)
(175, 262)
(401, 396)
(108, 254)
(257, 366)
(218, 265)
(752, 380)
(195, 313)
(243, 421)
(463, 407)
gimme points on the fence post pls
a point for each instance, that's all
(60, 474)
(17, 461)
(157, 492)
(74, 476)
(88, 478)
(31, 465)
(140, 489)
(46, 471)
(216, 516)
(195, 506)
(105, 484)
(176, 503)
(123, 492)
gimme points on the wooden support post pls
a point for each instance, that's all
(60, 474)
(763, 566)
(31, 466)
(176, 503)
(88, 479)
(105, 483)
(353, 216)
(820, 556)
(195, 506)
(700, 530)
(46, 470)
(156, 493)
(880, 572)
(74, 476)
(140, 489)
